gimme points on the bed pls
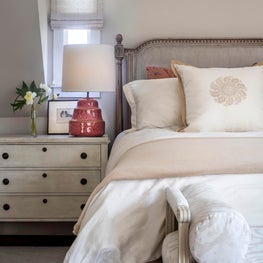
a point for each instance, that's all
(167, 136)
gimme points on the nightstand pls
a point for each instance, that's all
(49, 178)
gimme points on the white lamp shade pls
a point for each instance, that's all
(88, 68)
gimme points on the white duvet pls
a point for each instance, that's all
(125, 221)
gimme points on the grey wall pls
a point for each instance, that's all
(20, 49)
(21, 56)
(138, 20)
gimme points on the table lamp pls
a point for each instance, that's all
(88, 68)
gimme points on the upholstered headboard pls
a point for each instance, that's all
(132, 62)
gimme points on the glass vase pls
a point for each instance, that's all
(33, 121)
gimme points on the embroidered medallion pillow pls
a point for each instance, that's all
(221, 99)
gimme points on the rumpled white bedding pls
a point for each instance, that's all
(125, 221)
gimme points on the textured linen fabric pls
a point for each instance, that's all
(222, 99)
(154, 103)
(218, 233)
(183, 158)
(255, 249)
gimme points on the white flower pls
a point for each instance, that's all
(29, 97)
(30, 94)
(45, 87)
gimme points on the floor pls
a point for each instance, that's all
(36, 249)
(24, 254)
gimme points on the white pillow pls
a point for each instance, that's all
(222, 99)
(154, 103)
(218, 233)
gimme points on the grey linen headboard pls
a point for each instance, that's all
(132, 62)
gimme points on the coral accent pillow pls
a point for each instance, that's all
(221, 99)
(159, 73)
(260, 63)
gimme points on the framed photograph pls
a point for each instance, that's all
(59, 114)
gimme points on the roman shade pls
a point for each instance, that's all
(76, 14)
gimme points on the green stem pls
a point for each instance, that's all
(33, 121)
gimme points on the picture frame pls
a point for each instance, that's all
(60, 113)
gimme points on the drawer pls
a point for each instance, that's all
(38, 181)
(41, 155)
(43, 207)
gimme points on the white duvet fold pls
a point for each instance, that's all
(125, 215)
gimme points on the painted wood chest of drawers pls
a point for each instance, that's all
(49, 178)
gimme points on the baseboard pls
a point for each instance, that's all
(36, 240)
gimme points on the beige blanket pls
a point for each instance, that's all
(177, 157)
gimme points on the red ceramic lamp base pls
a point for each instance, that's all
(87, 120)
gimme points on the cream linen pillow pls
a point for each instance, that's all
(154, 103)
(127, 88)
(175, 62)
(222, 99)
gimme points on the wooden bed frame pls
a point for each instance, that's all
(131, 62)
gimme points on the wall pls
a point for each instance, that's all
(139, 20)
(21, 57)
(20, 50)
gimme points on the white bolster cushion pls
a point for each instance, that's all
(170, 248)
(218, 233)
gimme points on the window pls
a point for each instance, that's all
(73, 22)
(78, 36)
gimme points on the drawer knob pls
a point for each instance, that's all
(44, 149)
(5, 156)
(83, 181)
(82, 206)
(5, 181)
(44, 175)
(6, 207)
(44, 201)
(83, 156)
